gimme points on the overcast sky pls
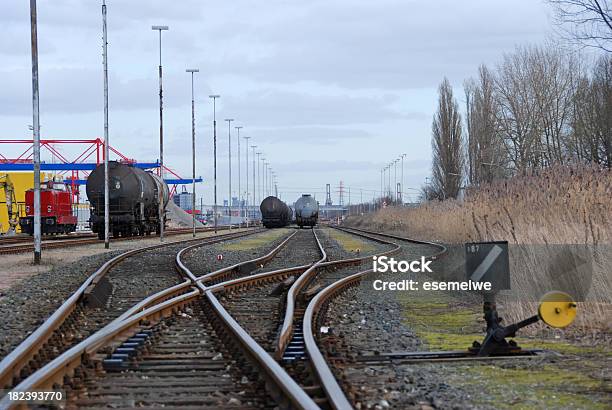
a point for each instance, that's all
(329, 90)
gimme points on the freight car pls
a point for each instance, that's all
(134, 197)
(274, 213)
(55, 210)
(306, 211)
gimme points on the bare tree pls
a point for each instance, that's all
(591, 139)
(486, 154)
(585, 22)
(447, 146)
(517, 111)
(553, 77)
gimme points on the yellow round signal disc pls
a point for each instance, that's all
(557, 309)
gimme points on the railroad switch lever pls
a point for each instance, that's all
(557, 309)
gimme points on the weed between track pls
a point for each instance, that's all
(256, 241)
(350, 243)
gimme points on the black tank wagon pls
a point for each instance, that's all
(134, 197)
(274, 213)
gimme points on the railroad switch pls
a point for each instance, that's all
(557, 309)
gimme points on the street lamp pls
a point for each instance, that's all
(193, 147)
(402, 186)
(266, 172)
(259, 177)
(229, 140)
(254, 190)
(246, 167)
(161, 134)
(395, 179)
(214, 98)
(239, 187)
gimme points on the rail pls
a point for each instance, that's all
(287, 326)
(333, 391)
(17, 359)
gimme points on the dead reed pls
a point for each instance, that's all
(560, 206)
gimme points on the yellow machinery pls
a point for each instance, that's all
(12, 209)
(21, 181)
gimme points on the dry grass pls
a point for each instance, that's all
(535, 214)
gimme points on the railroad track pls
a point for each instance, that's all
(268, 303)
(115, 362)
(21, 245)
(86, 361)
(335, 351)
(113, 291)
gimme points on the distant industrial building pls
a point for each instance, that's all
(184, 200)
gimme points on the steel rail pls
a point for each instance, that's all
(246, 266)
(287, 326)
(11, 365)
(288, 392)
(291, 394)
(330, 385)
(191, 279)
(333, 391)
(306, 277)
(87, 240)
(54, 372)
(440, 246)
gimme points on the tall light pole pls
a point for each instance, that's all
(382, 170)
(395, 178)
(35, 130)
(246, 167)
(254, 191)
(214, 98)
(263, 178)
(161, 134)
(193, 147)
(258, 177)
(239, 187)
(389, 177)
(229, 141)
(402, 185)
(266, 171)
(106, 140)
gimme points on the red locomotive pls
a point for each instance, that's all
(55, 210)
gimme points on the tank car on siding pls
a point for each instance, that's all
(306, 211)
(274, 213)
(134, 197)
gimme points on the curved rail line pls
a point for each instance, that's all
(312, 318)
(22, 355)
(281, 386)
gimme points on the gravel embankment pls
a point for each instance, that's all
(368, 322)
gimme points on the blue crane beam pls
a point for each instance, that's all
(169, 181)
